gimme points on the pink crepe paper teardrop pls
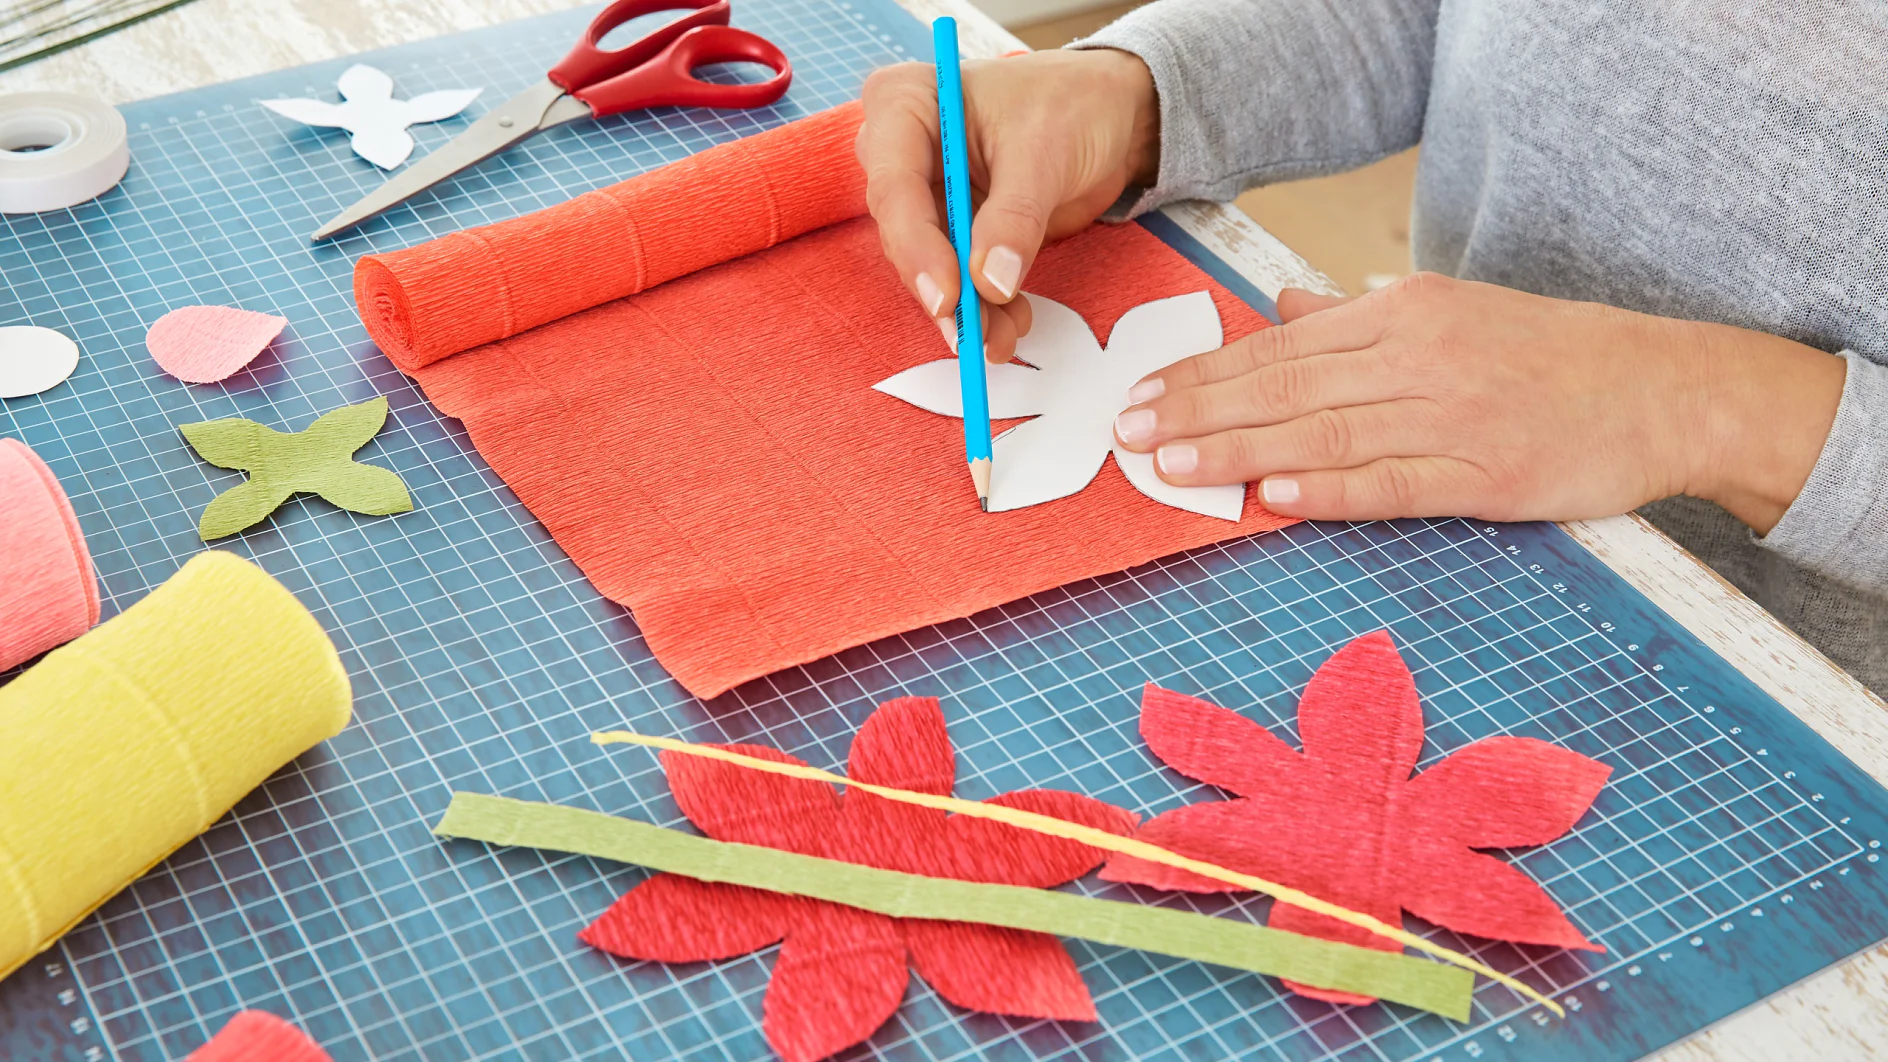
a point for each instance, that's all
(48, 590)
(204, 344)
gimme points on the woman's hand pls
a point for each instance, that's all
(1439, 397)
(1054, 139)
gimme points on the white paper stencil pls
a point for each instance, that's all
(369, 111)
(1074, 392)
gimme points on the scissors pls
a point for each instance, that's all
(656, 71)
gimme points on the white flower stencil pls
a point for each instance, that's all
(369, 111)
(1073, 391)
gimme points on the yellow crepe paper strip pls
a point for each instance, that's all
(1088, 835)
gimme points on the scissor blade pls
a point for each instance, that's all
(501, 127)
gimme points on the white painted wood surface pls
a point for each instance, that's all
(1027, 12)
(1840, 1014)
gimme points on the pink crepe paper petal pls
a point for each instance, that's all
(48, 590)
(204, 344)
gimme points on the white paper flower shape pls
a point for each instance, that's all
(1074, 391)
(369, 111)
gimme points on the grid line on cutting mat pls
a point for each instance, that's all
(482, 659)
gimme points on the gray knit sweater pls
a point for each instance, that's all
(1704, 159)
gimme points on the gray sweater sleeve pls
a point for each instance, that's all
(1838, 525)
(1255, 91)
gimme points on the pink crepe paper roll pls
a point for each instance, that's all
(48, 590)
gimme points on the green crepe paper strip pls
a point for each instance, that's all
(318, 460)
(1394, 976)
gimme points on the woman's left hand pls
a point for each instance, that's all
(1440, 397)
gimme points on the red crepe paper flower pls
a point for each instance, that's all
(841, 971)
(258, 1036)
(1345, 822)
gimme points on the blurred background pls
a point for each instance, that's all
(1354, 226)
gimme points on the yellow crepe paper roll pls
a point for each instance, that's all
(120, 747)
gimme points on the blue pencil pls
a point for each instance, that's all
(970, 370)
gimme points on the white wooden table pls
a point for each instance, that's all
(1839, 1014)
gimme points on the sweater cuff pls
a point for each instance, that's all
(1182, 156)
(1838, 525)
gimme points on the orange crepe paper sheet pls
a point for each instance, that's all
(711, 452)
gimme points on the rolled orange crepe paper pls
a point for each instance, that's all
(485, 284)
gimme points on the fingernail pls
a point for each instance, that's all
(1135, 425)
(1147, 391)
(1277, 490)
(947, 326)
(930, 294)
(1003, 267)
(1178, 459)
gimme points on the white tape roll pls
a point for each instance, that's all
(58, 150)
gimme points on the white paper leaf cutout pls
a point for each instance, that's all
(361, 83)
(317, 113)
(1074, 392)
(1014, 389)
(386, 146)
(436, 106)
(368, 111)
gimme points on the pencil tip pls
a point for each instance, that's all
(980, 480)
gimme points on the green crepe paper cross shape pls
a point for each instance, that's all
(319, 459)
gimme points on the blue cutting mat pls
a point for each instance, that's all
(1733, 852)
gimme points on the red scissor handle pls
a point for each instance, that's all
(668, 80)
(588, 64)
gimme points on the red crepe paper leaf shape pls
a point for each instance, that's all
(258, 1036)
(841, 971)
(730, 803)
(991, 851)
(204, 344)
(1344, 821)
(839, 976)
(903, 746)
(991, 969)
(670, 918)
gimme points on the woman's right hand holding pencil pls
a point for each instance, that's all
(1054, 139)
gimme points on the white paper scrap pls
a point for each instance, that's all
(1074, 391)
(34, 359)
(368, 110)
